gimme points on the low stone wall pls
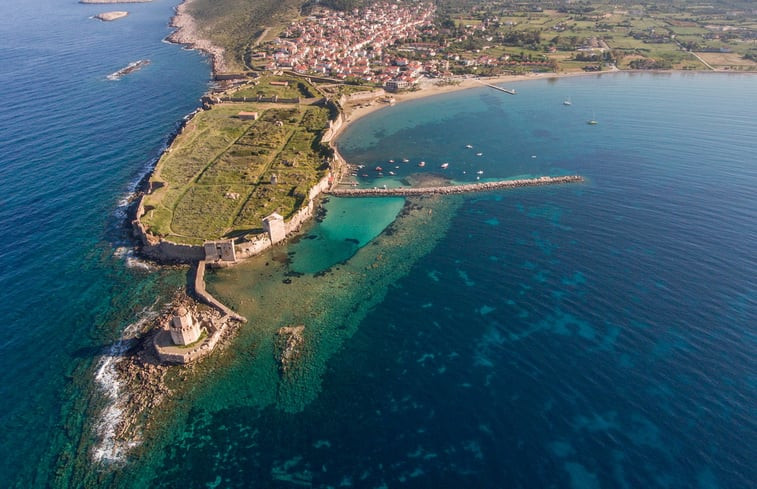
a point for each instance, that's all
(454, 189)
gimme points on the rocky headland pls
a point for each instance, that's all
(187, 33)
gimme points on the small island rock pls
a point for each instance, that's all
(109, 16)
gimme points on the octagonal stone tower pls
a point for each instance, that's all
(184, 330)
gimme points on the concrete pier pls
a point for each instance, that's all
(454, 189)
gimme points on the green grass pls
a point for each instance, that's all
(220, 155)
(235, 24)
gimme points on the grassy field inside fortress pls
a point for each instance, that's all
(215, 180)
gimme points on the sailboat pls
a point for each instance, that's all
(567, 101)
(593, 120)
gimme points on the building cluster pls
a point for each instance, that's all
(357, 44)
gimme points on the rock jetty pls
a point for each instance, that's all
(454, 189)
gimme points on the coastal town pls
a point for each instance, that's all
(355, 44)
(394, 45)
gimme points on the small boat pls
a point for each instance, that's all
(422, 164)
(479, 154)
(391, 161)
(445, 166)
(480, 172)
(378, 168)
(469, 146)
(405, 160)
(567, 101)
(392, 173)
(397, 167)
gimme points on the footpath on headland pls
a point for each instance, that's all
(453, 189)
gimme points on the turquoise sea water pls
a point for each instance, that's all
(599, 335)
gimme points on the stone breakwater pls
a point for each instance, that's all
(454, 189)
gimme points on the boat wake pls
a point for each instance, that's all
(110, 449)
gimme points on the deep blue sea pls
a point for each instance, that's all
(72, 146)
(578, 336)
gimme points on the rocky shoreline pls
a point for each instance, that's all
(187, 34)
(144, 376)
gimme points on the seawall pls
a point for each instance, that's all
(207, 297)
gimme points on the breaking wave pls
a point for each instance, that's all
(110, 449)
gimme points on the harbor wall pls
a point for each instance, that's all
(455, 189)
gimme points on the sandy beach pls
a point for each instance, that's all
(429, 88)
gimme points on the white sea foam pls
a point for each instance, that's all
(130, 258)
(109, 449)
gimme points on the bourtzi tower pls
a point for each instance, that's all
(184, 330)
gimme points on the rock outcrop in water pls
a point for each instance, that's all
(110, 16)
(115, 1)
(288, 346)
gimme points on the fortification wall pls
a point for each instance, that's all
(334, 127)
(206, 297)
(275, 99)
(169, 354)
(254, 246)
(160, 249)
